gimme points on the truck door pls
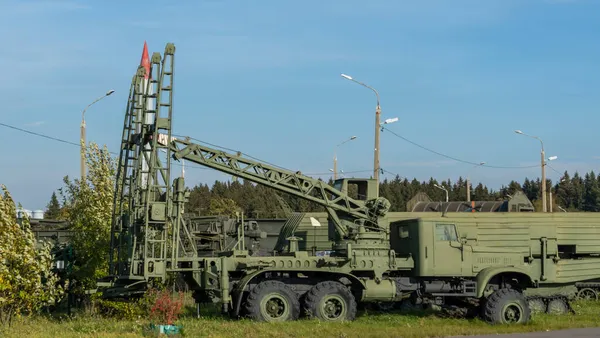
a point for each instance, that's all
(447, 252)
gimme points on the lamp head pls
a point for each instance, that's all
(392, 120)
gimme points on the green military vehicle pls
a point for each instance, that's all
(571, 237)
(373, 259)
(299, 223)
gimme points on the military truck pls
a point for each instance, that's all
(299, 223)
(372, 259)
(570, 236)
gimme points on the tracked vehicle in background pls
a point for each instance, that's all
(423, 258)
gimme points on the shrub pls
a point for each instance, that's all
(166, 308)
(118, 309)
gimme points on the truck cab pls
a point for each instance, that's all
(438, 249)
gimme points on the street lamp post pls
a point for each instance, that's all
(82, 140)
(543, 164)
(377, 126)
(442, 188)
(335, 156)
(341, 172)
(469, 182)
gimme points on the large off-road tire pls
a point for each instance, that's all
(506, 306)
(272, 301)
(557, 306)
(330, 301)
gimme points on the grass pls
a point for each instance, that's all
(368, 324)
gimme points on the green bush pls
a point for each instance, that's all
(118, 309)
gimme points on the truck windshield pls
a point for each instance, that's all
(445, 232)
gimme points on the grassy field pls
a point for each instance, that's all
(368, 324)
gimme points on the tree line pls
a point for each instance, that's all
(571, 193)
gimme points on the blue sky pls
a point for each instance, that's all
(264, 77)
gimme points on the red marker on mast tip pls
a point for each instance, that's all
(145, 62)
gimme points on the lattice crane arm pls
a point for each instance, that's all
(295, 183)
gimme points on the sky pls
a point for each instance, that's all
(263, 77)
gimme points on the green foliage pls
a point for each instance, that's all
(53, 209)
(157, 305)
(88, 208)
(572, 193)
(118, 309)
(26, 280)
(223, 206)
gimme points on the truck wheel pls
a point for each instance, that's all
(272, 301)
(537, 305)
(330, 301)
(587, 294)
(557, 306)
(506, 306)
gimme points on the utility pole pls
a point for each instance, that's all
(468, 190)
(82, 136)
(543, 165)
(544, 207)
(376, 167)
(376, 155)
(335, 156)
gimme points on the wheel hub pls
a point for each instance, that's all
(512, 314)
(275, 307)
(333, 308)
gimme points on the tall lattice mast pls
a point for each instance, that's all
(157, 194)
(123, 202)
(142, 204)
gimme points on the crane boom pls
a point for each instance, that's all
(344, 210)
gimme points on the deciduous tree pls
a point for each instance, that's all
(88, 207)
(27, 282)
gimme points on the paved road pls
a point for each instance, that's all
(579, 333)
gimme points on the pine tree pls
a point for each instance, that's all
(578, 191)
(571, 193)
(563, 192)
(531, 189)
(591, 197)
(53, 209)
